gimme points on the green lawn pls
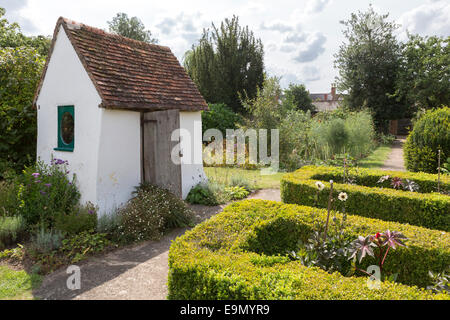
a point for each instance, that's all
(17, 285)
(377, 159)
(223, 175)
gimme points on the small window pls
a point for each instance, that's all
(66, 128)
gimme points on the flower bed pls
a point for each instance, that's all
(372, 199)
(241, 254)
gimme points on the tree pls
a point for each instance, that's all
(300, 97)
(368, 66)
(12, 37)
(131, 28)
(21, 63)
(227, 63)
(424, 76)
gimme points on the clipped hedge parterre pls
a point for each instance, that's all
(370, 199)
(241, 254)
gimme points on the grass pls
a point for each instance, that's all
(17, 285)
(223, 174)
(258, 181)
(377, 159)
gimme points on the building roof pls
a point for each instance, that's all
(130, 74)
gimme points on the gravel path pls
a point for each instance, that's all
(133, 273)
(395, 160)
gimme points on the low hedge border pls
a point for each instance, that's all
(232, 256)
(430, 210)
(369, 177)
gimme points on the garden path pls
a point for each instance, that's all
(395, 160)
(132, 273)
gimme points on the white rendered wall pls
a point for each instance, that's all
(67, 83)
(106, 156)
(119, 161)
(192, 162)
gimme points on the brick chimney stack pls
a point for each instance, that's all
(333, 91)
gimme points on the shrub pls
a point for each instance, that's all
(78, 247)
(208, 193)
(45, 192)
(8, 199)
(239, 181)
(430, 134)
(82, 218)
(430, 210)
(220, 117)
(237, 193)
(241, 254)
(150, 213)
(12, 229)
(46, 241)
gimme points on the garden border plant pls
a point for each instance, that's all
(240, 254)
(373, 198)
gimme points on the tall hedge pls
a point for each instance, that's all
(430, 134)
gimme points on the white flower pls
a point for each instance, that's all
(343, 196)
(320, 185)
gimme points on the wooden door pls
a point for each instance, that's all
(157, 165)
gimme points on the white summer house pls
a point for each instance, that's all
(109, 105)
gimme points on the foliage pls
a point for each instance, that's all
(300, 97)
(82, 218)
(11, 36)
(12, 229)
(228, 61)
(45, 192)
(150, 213)
(220, 117)
(266, 109)
(430, 134)
(383, 242)
(78, 247)
(15, 254)
(20, 71)
(429, 210)
(46, 241)
(236, 193)
(368, 64)
(236, 255)
(208, 194)
(109, 224)
(441, 282)
(424, 75)
(386, 139)
(132, 28)
(8, 199)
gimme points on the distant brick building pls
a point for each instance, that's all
(326, 101)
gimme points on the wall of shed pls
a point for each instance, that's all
(119, 160)
(192, 162)
(67, 83)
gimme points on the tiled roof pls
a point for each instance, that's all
(130, 74)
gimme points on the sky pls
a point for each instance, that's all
(300, 37)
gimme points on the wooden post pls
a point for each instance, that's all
(439, 171)
(330, 201)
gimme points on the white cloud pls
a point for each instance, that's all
(13, 8)
(432, 18)
(316, 6)
(277, 26)
(312, 48)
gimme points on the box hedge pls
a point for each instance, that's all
(241, 254)
(370, 199)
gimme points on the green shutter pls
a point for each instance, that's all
(64, 145)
